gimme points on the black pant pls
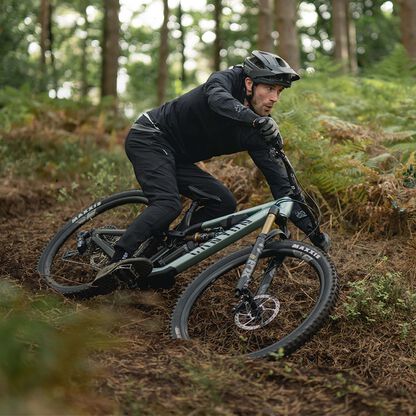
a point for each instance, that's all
(163, 179)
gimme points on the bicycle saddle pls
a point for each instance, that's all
(202, 197)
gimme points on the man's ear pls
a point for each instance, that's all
(249, 85)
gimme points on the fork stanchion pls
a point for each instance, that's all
(256, 252)
(268, 224)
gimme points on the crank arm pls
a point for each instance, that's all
(103, 245)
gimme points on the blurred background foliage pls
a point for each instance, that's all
(44, 355)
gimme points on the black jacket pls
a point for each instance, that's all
(211, 120)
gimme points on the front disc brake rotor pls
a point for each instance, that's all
(268, 309)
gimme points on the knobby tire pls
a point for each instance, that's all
(72, 279)
(306, 287)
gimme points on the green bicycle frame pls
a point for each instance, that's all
(256, 218)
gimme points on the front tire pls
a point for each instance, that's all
(302, 294)
(61, 264)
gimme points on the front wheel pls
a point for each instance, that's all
(299, 298)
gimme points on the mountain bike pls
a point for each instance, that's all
(269, 297)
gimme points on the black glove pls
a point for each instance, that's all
(269, 130)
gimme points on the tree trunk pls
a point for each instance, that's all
(84, 59)
(340, 28)
(162, 78)
(111, 48)
(352, 42)
(218, 39)
(44, 32)
(46, 40)
(182, 43)
(408, 26)
(265, 41)
(51, 46)
(288, 44)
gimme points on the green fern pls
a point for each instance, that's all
(397, 64)
(404, 149)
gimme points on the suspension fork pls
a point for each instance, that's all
(251, 263)
(268, 276)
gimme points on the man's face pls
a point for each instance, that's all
(264, 98)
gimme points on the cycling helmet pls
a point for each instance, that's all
(268, 68)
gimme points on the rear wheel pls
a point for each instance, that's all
(84, 245)
(299, 299)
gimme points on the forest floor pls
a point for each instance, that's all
(351, 367)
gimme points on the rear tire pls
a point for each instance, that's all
(305, 287)
(63, 267)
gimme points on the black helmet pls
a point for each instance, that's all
(268, 68)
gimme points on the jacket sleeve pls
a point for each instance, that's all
(273, 170)
(218, 90)
(276, 176)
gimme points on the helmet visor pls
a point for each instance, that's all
(284, 80)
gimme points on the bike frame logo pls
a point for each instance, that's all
(220, 237)
(89, 212)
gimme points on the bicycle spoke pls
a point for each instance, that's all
(71, 268)
(289, 298)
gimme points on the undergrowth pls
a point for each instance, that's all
(379, 298)
(63, 141)
(353, 143)
(44, 351)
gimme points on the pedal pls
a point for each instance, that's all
(125, 276)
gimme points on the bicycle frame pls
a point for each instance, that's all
(256, 218)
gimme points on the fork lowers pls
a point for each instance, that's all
(256, 252)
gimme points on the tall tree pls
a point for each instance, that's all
(408, 26)
(218, 34)
(377, 31)
(265, 41)
(352, 41)
(340, 28)
(110, 48)
(162, 78)
(84, 51)
(288, 44)
(182, 42)
(44, 19)
(46, 42)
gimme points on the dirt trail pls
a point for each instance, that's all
(349, 368)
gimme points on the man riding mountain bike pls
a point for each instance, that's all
(227, 114)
